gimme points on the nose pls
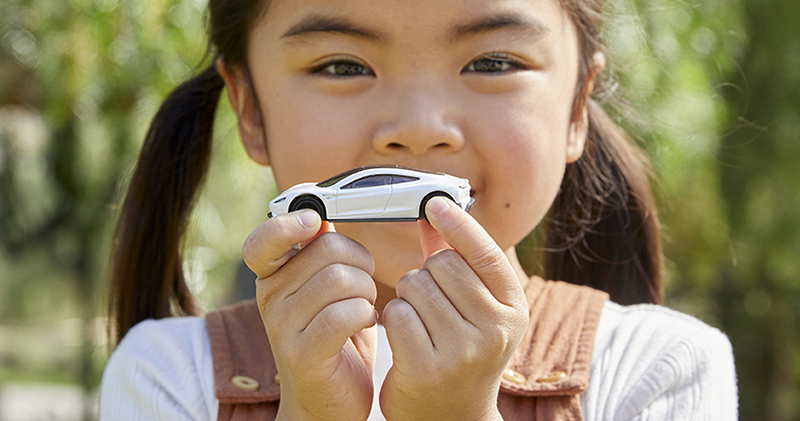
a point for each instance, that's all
(419, 123)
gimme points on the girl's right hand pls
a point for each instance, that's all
(316, 303)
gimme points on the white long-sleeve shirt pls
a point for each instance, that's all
(649, 363)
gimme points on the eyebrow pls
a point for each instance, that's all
(494, 23)
(314, 24)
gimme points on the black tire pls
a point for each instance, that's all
(430, 196)
(309, 202)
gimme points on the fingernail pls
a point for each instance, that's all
(308, 218)
(437, 205)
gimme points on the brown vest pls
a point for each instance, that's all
(548, 371)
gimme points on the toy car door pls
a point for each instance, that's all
(364, 198)
(405, 198)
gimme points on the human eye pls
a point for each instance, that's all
(342, 68)
(493, 64)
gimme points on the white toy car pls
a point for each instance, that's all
(379, 193)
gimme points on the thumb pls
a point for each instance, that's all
(430, 239)
(324, 227)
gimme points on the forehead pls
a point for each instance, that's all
(406, 18)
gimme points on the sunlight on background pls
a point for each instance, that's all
(715, 103)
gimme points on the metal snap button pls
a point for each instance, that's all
(514, 377)
(554, 377)
(245, 383)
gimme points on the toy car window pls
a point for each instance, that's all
(397, 179)
(370, 181)
(339, 177)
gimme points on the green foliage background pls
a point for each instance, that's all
(710, 88)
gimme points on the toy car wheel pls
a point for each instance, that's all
(430, 196)
(308, 202)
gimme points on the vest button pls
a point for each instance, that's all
(245, 383)
(277, 379)
(514, 377)
(554, 377)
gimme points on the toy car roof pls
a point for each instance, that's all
(336, 178)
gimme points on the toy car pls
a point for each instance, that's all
(378, 193)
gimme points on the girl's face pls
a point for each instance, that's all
(481, 89)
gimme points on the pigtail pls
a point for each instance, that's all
(146, 276)
(603, 228)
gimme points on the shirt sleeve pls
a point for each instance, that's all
(658, 364)
(162, 370)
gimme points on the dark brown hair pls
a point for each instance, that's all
(146, 274)
(602, 230)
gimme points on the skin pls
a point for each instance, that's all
(442, 85)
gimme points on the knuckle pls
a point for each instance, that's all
(341, 313)
(330, 318)
(343, 280)
(399, 312)
(487, 257)
(446, 260)
(416, 283)
(495, 342)
(443, 258)
(336, 276)
(345, 249)
(330, 239)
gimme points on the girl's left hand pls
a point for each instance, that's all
(455, 323)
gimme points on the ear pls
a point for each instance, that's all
(579, 129)
(243, 101)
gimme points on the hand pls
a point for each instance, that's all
(316, 303)
(455, 323)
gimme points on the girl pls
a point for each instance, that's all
(496, 91)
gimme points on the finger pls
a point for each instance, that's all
(430, 239)
(406, 333)
(328, 249)
(441, 319)
(334, 325)
(456, 279)
(478, 248)
(270, 245)
(336, 282)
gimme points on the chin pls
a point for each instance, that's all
(394, 245)
(374, 233)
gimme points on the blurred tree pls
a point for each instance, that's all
(88, 67)
(79, 82)
(715, 89)
(760, 184)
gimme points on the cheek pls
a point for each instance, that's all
(524, 158)
(309, 139)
